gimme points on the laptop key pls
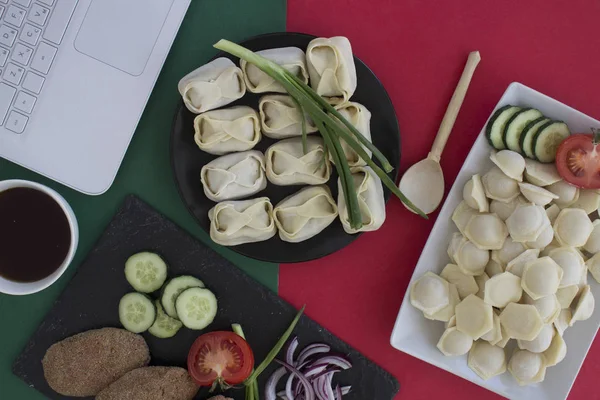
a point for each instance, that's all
(6, 97)
(57, 25)
(42, 60)
(33, 82)
(3, 56)
(30, 34)
(16, 122)
(38, 14)
(7, 35)
(25, 102)
(24, 3)
(21, 54)
(14, 16)
(13, 73)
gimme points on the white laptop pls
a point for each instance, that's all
(75, 76)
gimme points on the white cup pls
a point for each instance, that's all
(22, 288)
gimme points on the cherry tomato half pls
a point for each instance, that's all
(221, 357)
(578, 161)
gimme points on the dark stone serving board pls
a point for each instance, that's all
(91, 300)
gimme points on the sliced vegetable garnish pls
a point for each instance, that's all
(136, 312)
(164, 326)
(578, 160)
(145, 272)
(196, 307)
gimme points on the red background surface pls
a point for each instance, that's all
(418, 49)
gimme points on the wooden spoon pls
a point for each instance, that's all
(423, 183)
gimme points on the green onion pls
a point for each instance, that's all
(332, 126)
(252, 388)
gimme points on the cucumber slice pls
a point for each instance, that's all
(136, 312)
(145, 272)
(173, 289)
(164, 326)
(515, 125)
(196, 307)
(547, 139)
(495, 127)
(528, 133)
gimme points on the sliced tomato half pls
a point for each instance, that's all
(220, 358)
(578, 161)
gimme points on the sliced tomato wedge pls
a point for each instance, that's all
(220, 358)
(578, 161)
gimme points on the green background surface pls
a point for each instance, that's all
(146, 170)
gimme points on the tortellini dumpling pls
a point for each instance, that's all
(521, 321)
(541, 342)
(446, 313)
(288, 165)
(242, 221)
(280, 118)
(571, 263)
(566, 295)
(331, 68)
(305, 214)
(509, 251)
(567, 193)
(474, 317)
(500, 187)
(486, 360)
(465, 284)
(227, 130)
(462, 215)
(584, 307)
(541, 174)
(503, 289)
(593, 243)
(572, 227)
(292, 59)
(510, 162)
(557, 350)
(537, 195)
(360, 118)
(454, 343)
(474, 195)
(541, 277)
(504, 210)
(527, 222)
(548, 307)
(370, 200)
(517, 265)
(527, 367)
(234, 176)
(588, 201)
(486, 231)
(470, 258)
(430, 293)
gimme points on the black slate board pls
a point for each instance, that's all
(91, 300)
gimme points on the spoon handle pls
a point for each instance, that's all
(454, 106)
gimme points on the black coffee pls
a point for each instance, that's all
(34, 235)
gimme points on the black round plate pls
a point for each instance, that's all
(187, 160)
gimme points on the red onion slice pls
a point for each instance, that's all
(271, 386)
(309, 391)
(312, 350)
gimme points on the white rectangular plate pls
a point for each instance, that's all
(417, 336)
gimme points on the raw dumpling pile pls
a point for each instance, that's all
(517, 277)
(235, 178)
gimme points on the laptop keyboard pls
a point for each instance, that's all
(31, 32)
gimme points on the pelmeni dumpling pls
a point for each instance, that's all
(503, 210)
(589, 200)
(455, 243)
(552, 212)
(486, 360)
(541, 174)
(370, 200)
(486, 231)
(474, 317)
(227, 130)
(521, 321)
(494, 335)
(541, 277)
(305, 214)
(547, 306)
(474, 195)
(584, 307)
(242, 221)
(557, 350)
(509, 251)
(543, 240)
(454, 343)
(517, 265)
(536, 194)
(493, 268)
(211, 86)
(288, 165)
(430, 293)
(527, 222)
(541, 342)
(234, 176)
(572, 227)
(465, 284)
(462, 215)
(567, 193)
(360, 118)
(593, 243)
(527, 367)
(571, 263)
(280, 118)
(447, 312)
(502, 289)
(509, 162)
(471, 259)
(593, 265)
(331, 68)
(290, 58)
(562, 322)
(500, 187)
(566, 295)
